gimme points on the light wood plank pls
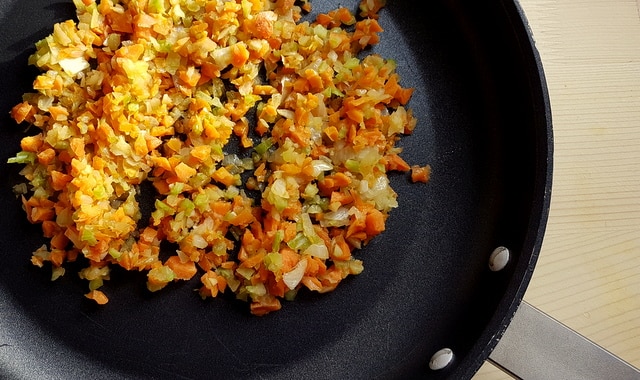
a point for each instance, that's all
(588, 274)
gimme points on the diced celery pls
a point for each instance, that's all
(264, 146)
(299, 242)
(23, 158)
(176, 188)
(219, 248)
(245, 272)
(291, 294)
(95, 283)
(352, 165)
(201, 201)
(273, 261)
(187, 206)
(57, 272)
(231, 192)
(165, 208)
(156, 6)
(352, 63)
(99, 192)
(115, 253)
(232, 282)
(320, 31)
(88, 236)
(277, 239)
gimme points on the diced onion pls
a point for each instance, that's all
(293, 277)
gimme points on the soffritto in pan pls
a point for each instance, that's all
(158, 92)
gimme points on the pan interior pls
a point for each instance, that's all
(482, 127)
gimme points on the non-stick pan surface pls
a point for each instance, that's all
(484, 127)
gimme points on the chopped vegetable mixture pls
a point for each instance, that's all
(162, 91)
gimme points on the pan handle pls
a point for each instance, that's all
(536, 346)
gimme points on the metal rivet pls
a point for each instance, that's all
(499, 259)
(441, 359)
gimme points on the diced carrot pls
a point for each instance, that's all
(341, 179)
(57, 256)
(59, 241)
(239, 54)
(97, 296)
(77, 147)
(332, 133)
(312, 283)
(341, 198)
(264, 305)
(315, 266)
(268, 113)
(50, 228)
(184, 171)
(392, 86)
(340, 248)
(39, 214)
(420, 173)
(212, 283)
(210, 70)
(31, 143)
(276, 288)
(201, 152)
(356, 115)
(345, 16)
(161, 186)
(190, 76)
(262, 89)
(243, 218)
(284, 6)
(314, 80)
(22, 112)
(375, 222)
(120, 22)
(59, 180)
(46, 156)
(59, 113)
(241, 129)
(395, 162)
(289, 259)
(324, 19)
(220, 207)
(184, 270)
(253, 261)
(291, 169)
(223, 176)
(133, 52)
(403, 95)
(140, 145)
(330, 279)
(365, 33)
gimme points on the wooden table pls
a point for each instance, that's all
(588, 273)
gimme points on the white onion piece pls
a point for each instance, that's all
(293, 277)
(318, 250)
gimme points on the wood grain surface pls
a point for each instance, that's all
(588, 273)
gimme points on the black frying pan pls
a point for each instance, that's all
(484, 127)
